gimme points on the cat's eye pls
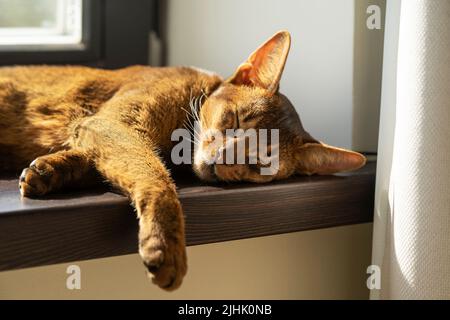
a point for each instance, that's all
(250, 116)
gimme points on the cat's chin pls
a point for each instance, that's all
(205, 172)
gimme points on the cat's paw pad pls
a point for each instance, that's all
(36, 179)
(165, 260)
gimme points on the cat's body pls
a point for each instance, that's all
(72, 122)
(40, 106)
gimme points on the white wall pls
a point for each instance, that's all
(219, 35)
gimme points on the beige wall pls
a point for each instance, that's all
(328, 263)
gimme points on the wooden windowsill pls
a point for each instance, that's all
(95, 224)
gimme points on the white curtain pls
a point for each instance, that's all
(412, 201)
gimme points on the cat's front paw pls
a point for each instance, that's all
(165, 260)
(162, 247)
(36, 179)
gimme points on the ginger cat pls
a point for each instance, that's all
(73, 122)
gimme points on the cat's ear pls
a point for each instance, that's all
(318, 158)
(265, 65)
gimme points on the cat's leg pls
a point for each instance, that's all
(130, 162)
(53, 171)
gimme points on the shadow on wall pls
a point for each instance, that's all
(367, 74)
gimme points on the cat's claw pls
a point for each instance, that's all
(35, 180)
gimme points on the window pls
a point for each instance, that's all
(89, 32)
(34, 24)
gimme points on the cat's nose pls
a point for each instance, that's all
(206, 171)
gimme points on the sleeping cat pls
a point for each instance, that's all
(73, 122)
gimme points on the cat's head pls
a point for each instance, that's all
(250, 99)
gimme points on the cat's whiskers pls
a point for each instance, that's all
(195, 104)
(192, 122)
(193, 141)
(188, 123)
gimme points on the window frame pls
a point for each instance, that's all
(110, 39)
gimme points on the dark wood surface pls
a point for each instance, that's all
(92, 224)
